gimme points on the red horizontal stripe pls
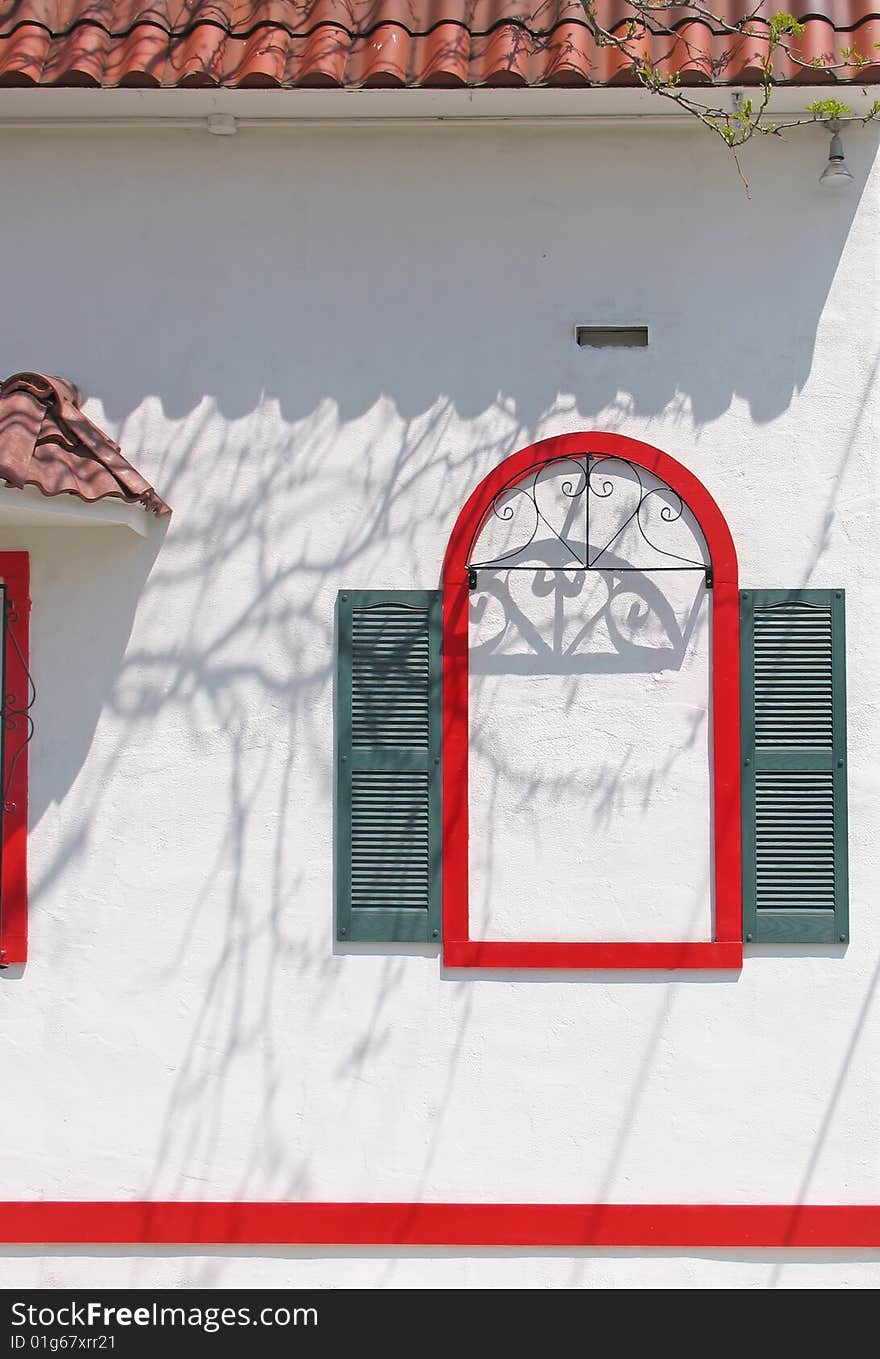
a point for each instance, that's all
(497, 953)
(654, 1225)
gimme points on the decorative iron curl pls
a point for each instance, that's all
(573, 488)
(506, 513)
(12, 711)
(607, 488)
(585, 482)
(670, 514)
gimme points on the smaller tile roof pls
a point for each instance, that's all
(47, 442)
(287, 44)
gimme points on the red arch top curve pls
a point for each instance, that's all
(513, 469)
(724, 950)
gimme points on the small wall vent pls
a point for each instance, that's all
(607, 337)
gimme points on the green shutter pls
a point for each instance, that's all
(388, 824)
(794, 766)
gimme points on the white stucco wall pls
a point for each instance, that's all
(590, 723)
(315, 343)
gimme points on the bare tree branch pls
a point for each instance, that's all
(660, 37)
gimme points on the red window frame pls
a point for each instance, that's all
(724, 950)
(15, 575)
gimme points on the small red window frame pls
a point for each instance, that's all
(724, 950)
(15, 575)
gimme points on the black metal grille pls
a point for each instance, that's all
(646, 510)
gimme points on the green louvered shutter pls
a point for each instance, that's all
(388, 766)
(794, 766)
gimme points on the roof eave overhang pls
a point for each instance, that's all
(26, 507)
(75, 107)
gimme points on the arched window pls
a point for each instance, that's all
(622, 506)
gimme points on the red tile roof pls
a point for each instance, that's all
(47, 442)
(332, 43)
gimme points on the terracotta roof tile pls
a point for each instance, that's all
(289, 43)
(47, 442)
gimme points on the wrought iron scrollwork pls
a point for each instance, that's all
(669, 514)
(578, 482)
(525, 494)
(15, 709)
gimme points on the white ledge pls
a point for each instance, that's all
(70, 108)
(29, 508)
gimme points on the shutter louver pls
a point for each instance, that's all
(388, 823)
(794, 766)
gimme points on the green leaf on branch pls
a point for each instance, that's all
(830, 109)
(637, 35)
(784, 24)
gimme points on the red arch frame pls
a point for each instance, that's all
(725, 949)
(15, 573)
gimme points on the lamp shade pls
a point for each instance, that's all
(836, 175)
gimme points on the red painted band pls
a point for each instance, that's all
(726, 949)
(15, 574)
(569, 1225)
(501, 953)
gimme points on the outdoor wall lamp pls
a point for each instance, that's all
(835, 175)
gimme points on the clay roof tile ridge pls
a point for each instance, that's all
(47, 441)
